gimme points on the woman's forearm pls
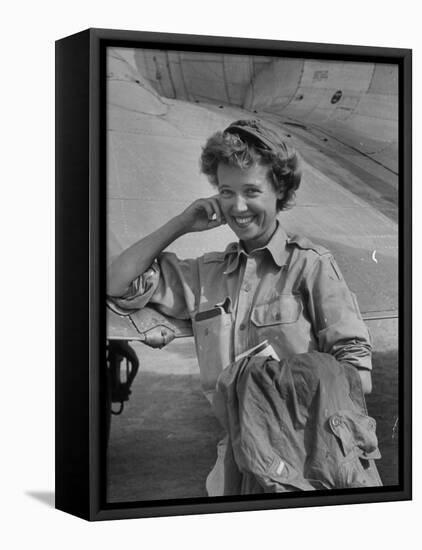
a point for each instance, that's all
(201, 215)
(137, 258)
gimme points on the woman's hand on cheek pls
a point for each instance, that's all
(203, 214)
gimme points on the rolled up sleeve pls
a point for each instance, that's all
(335, 314)
(170, 285)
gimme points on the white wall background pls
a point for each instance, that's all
(29, 30)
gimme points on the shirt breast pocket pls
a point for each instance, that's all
(285, 310)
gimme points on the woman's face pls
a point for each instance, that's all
(248, 202)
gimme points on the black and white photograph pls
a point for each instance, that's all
(211, 250)
(252, 213)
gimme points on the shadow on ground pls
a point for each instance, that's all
(46, 497)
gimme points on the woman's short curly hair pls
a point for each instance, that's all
(244, 150)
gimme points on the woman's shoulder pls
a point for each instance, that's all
(310, 258)
(303, 243)
(212, 257)
(217, 256)
(307, 255)
(220, 256)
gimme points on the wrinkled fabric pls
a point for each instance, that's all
(296, 425)
(290, 292)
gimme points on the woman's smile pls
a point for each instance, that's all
(243, 221)
(248, 202)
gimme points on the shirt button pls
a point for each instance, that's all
(246, 287)
(242, 326)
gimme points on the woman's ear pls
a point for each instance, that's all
(280, 194)
(280, 200)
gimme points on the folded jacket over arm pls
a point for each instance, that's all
(295, 425)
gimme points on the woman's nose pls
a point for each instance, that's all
(240, 204)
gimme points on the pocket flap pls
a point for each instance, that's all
(355, 432)
(286, 309)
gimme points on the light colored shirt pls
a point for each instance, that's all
(290, 292)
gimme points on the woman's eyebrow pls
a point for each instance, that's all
(244, 186)
(255, 185)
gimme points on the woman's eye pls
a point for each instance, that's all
(225, 193)
(252, 193)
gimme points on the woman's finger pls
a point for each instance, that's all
(205, 205)
(217, 210)
(222, 218)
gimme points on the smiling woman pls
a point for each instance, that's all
(256, 173)
(267, 286)
(250, 143)
(248, 203)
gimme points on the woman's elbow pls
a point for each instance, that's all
(116, 283)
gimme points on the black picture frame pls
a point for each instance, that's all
(81, 384)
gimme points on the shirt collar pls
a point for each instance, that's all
(276, 246)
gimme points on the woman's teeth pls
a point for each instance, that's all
(243, 221)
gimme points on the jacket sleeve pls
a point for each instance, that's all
(335, 315)
(170, 285)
